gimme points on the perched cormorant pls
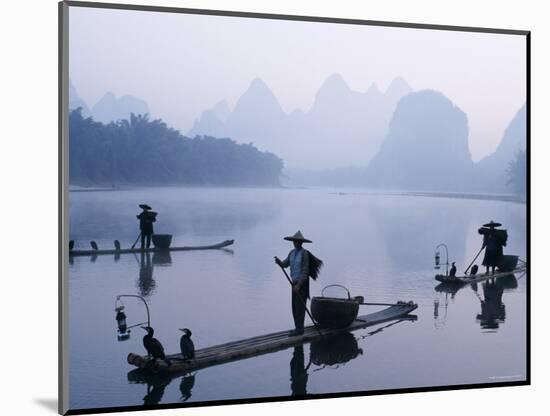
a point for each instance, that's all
(71, 245)
(117, 245)
(186, 345)
(473, 272)
(93, 244)
(452, 272)
(153, 346)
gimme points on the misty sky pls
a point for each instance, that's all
(184, 64)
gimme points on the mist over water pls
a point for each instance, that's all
(378, 246)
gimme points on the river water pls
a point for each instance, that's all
(379, 246)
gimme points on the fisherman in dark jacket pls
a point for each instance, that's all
(493, 241)
(146, 219)
(302, 265)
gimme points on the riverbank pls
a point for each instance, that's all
(453, 195)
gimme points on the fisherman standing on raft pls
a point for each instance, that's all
(303, 265)
(146, 220)
(493, 241)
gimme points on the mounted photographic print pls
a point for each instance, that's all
(265, 208)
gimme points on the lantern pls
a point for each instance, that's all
(121, 319)
(437, 259)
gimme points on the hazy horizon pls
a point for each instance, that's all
(185, 64)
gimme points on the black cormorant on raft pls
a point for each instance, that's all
(251, 347)
(187, 347)
(154, 347)
(223, 244)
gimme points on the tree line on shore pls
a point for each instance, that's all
(142, 151)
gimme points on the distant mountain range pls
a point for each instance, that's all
(494, 167)
(342, 128)
(109, 107)
(427, 149)
(396, 139)
(426, 145)
(76, 102)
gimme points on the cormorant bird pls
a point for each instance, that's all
(71, 245)
(153, 346)
(93, 244)
(117, 245)
(186, 345)
(474, 270)
(452, 272)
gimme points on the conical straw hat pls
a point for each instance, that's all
(298, 237)
(492, 224)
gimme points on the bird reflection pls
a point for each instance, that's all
(186, 385)
(155, 393)
(156, 384)
(146, 283)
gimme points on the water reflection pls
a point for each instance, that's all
(156, 385)
(298, 372)
(186, 386)
(146, 284)
(335, 350)
(452, 288)
(406, 237)
(493, 310)
(183, 211)
(162, 258)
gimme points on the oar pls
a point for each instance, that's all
(477, 255)
(135, 242)
(303, 301)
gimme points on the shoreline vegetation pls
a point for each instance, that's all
(140, 151)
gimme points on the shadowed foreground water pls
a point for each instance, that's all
(379, 246)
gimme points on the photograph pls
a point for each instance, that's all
(264, 207)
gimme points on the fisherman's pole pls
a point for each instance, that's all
(477, 255)
(303, 301)
(135, 242)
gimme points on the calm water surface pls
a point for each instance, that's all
(379, 246)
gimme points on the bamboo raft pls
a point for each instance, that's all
(76, 253)
(263, 344)
(462, 280)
